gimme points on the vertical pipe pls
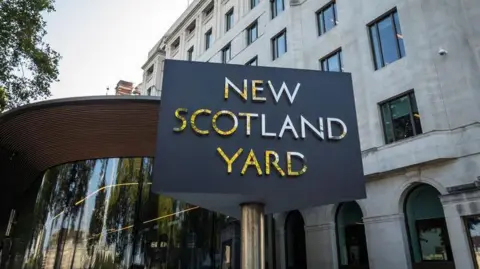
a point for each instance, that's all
(253, 236)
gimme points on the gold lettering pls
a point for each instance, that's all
(255, 88)
(248, 120)
(227, 160)
(274, 163)
(194, 117)
(252, 160)
(225, 133)
(181, 118)
(229, 84)
(289, 164)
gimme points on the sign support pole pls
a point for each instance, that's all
(253, 236)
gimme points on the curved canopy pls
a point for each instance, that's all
(38, 136)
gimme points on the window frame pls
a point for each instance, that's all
(374, 24)
(254, 3)
(274, 39)
(409, 94)
(190, 53)
(319, 14)
(274, 10)
(228, 23)
(253, 60)
(249, 29)
(225, 49)
(208, 34)
(330, 55)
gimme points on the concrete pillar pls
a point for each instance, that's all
(280, 248)
(321, 245)
(387, 242)
(457, 232)
(294, 33)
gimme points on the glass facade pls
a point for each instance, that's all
(102, 214)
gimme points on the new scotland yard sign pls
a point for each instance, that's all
(231, 134)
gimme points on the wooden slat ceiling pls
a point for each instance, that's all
(36, 137)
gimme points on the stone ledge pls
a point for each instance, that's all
(320, 227)
(382, 219)
(429, 147)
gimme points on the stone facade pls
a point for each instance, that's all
(447, 91)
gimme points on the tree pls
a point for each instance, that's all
(27, 64)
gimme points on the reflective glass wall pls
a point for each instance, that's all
(102, 214)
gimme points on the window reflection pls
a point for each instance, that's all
(102, 214)
(473, 227)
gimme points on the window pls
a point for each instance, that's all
(226, 53)
(252, 33)
(277, 7)
(191, 28)
(386, 40)
(333, 62)
(209, 9)
(190, 54)
(473, 228)
(149, 91)
(150, 71)
(253, 3)
(253, 62)
(400, 118)
(327, 18)
(229, 20)
(279, 44)
(176, 44)
(208, 39)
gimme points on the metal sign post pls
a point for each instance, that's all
(253, 236)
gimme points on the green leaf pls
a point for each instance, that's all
(28, 66)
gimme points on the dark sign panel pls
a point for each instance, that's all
(230, 134)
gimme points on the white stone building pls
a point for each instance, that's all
(416, 75)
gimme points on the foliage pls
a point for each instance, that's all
(3, 99)
(27, 64)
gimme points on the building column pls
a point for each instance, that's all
(455, 207)
(280, 248)
(321, 245)
(387, 242)
(295, 32)
(458, 240)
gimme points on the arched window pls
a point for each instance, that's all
(427, 229)
(351, 240)
(295, 241)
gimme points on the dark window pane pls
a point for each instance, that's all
(388, 40)
(376, 47)
(252, 33)
(402, 124)
(282, 44)
(387, 124)
(321, 28)
(229, 20)
(399, 34)
(329, 18)
(334, 63)
(277, 7)
(433, 240)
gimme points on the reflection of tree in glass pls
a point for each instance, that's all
(121, 206)
(96, 222)
(72, 186)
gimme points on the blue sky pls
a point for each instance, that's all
(103, 41)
